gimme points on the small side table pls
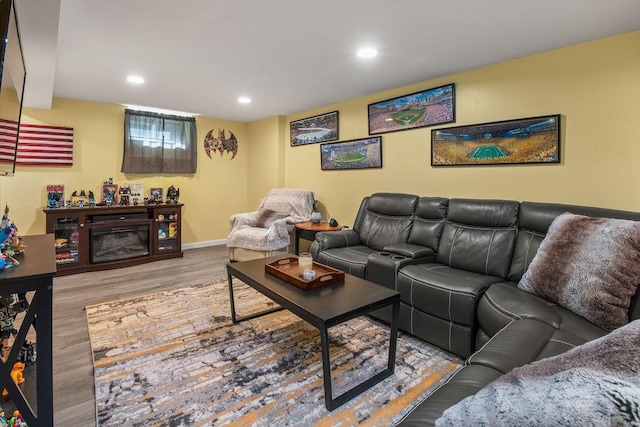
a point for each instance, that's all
(307, 230)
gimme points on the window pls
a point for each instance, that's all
(159, 143)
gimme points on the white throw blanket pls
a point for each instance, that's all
(297, 204)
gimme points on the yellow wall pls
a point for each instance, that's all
(266, 158)
(596, 88)
(211, 195)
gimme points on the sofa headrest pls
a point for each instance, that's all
(432, 207)
(537, 217)
(483, 212)
(393, 204)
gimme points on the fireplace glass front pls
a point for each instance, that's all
(117, 243)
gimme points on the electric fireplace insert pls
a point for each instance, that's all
(119, 242)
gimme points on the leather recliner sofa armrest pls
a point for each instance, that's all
(464, 383)
(416, 252)
(504, 302)
(337, 239)
(518, 343)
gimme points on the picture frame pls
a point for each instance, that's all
(363, 153)
(429, 107)
(156, 195)
(529, 140)
(137, 192)
(110, 194)
(55, 195)
(320, 128)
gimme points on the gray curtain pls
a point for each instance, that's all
(159, 143)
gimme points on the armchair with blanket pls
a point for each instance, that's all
(267, 231)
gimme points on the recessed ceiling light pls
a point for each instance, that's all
(244, 100)
(136, 80)
(367, 52)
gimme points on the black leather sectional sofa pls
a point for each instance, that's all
(456, 264)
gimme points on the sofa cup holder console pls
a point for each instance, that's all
(392, 256)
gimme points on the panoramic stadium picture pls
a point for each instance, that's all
(322, 128)
(427, 108)
(355, 154)
(530, 140)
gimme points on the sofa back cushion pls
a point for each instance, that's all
(534, 221)
(385, 219)
(431, 214)
(479, 236)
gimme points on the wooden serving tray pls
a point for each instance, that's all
(287, 270)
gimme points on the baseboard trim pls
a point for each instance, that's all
(205, 244)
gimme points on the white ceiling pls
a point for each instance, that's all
(289, 56)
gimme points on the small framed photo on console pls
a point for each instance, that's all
(110, 194)
(156, 195)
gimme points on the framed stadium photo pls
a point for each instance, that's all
(509, 142)
(362, 153)
(427, 108)
(322, 128)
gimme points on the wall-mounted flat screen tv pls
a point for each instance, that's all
(13, 72)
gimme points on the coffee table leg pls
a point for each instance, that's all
(393, 338)
(233, 305)
(332, 403)
(326, 370)
(234, 316)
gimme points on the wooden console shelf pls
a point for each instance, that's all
(102, 238)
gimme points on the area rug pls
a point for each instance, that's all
(175, 359)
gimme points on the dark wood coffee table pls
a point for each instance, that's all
(322, 308)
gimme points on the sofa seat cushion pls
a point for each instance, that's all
(442, 291)
(350, 259)
(517, 344)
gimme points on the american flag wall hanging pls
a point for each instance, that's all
(37, 144)
(8, 130)
(45, 145)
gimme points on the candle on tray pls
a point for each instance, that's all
(305, 262)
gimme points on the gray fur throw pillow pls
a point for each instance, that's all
(590, 266)
(266, 217)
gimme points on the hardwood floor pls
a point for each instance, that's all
(73, 387)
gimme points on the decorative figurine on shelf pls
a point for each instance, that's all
(80, 200)
(28, 354)
(17, 420)
(10, 306)
(92, 200)
(125, 196)
(8, 240)
(16, 374)
(172, 194)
